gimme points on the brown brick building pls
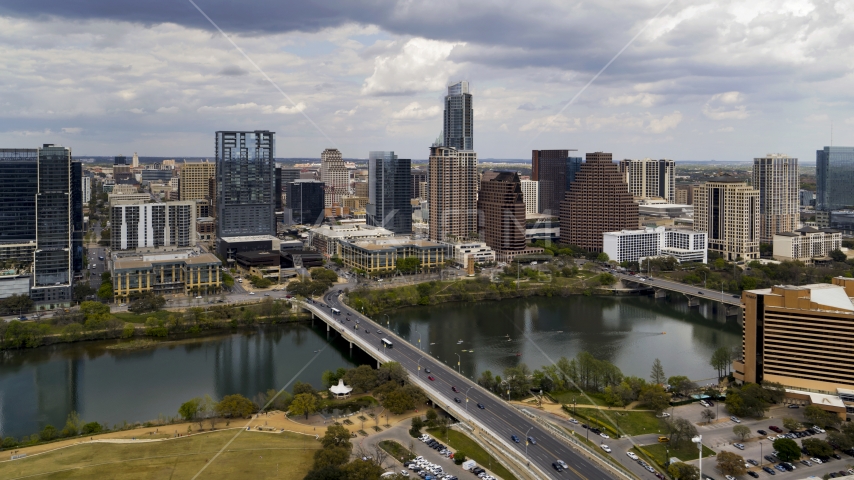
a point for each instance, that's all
(501, 211)
(452, 199)
(598, 201)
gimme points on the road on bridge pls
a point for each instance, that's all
(715, 295)
(497, 417)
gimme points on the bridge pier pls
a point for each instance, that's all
(732, 311)
(692, 301)
(660, 293)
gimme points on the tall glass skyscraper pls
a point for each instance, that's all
(19, 177)
(834, 177)
(245, 183)
(304, 202)
(389, 192)
(459, 117)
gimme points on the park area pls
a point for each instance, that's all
(250, 455)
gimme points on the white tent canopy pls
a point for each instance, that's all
(340, 390)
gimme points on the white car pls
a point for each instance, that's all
(632, 455)
(729, 477)
(251, 293)
(561, 463)
(735, 419)
(816, 460)
(572, 420)
(606, 448)
(604, 435)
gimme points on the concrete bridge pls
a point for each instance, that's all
(461, 397)
(692, 293)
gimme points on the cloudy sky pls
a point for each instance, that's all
(702, 79)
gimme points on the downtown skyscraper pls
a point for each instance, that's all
(554, 170)
(649, 178)
(459, 117)
(245, 184)
(452, 196)
(334, 175)
(776, 178)
(389, 192)
(834, 168)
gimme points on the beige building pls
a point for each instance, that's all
(382, 255)
(184, 274)
(124, 189)
(776, 177)
(326, 239)
(806, 244)
(728, 210)
(531, 195)
(452, 200)
(648, 178)
(197, 182)
(803, 338)
(335, 177)
(685, 194)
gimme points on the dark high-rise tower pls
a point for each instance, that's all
(304, 202)
(389, 194)
(77, 217)
(54, 224)
(501, 211)
(834, 168)
(19, 177)
(597, 202)
(459, 117)
(245, 183)
(555, 170)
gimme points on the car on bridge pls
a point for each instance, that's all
(532, 440)
(454, 389)
(480, 406)
(431, 378)
(514, 438)
(457, 399)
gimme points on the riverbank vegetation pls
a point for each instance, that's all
(94, 321)
(561, 278)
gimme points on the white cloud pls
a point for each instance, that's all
(71, 130)
(347, 113)
(415, 111)
(666, 122)
(172, 109)
(421, 65)
(290, 110)
(642, 99)
(722, 106)
(252, 107)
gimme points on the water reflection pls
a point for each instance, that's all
(41, 386)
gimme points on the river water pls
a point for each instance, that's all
(41, 386)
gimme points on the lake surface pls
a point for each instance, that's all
(41, 386)
(630, 332)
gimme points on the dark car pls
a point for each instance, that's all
(762, 432)
(753, 474)
(584, 425)
(427, 370)
(454, 389)
(775, 428)
(514, 438)
(769, 470)
(431, 378)
(792, 405)
(836, 456)
(770, 458)
(752, 462)
(480, 406)
(557, 466)
(700, 292)
(457, 399)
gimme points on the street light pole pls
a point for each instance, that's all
(419, 367)
(526, 442)
(467, 399)
(699, 441)
(419, 338)
(459, 360)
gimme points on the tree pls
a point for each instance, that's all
(105, 291)
(330, 457)
(606, 279)
(82, 290)
(681, 430)
(48, 433)
(730, 463)
(657, 373)
(817, 447)
(460, 457)
(681, 385)
(708, 415)
(432, 416)
(720, 360)
(234, 406)
(791, 424)
(838, 255)
(603, 257)
(91, 428)
(147, 302)
(787, 449)
(743, 432)
(819, 417)
(408, 264)
(655, 398)
(336, 436)
(303, 404)
(683, 471)
(189, 409)
(330, 472)
(72, 425)
(398, 402)
(417, 425)
(362, 470)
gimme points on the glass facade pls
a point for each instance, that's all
(77, 217)
(834, 177)
(389, 192)
(459, 117)
(245, 184)
(18, 188)
(53, 256)
(305, 200)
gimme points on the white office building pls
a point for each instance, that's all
(634, 245)
(649, 178)
(806, 244)
(479, 251)
(87, 189)
(140, 225)
(531, 195)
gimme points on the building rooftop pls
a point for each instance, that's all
(833, 297)
(351, 230)
(248, 238)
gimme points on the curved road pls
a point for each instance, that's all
(499, 418)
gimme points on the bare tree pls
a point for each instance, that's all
(708, 415)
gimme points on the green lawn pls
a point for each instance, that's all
(460, 442)
(630, 422)
(396, 450)
(142, 317)
(251, 455)
(686, 452)
(583, 398)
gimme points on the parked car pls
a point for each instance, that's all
(775, 428)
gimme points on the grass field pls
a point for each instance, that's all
(251, 456)
(630, 422)
(586, 398)
(686, 452)
(142, 317)
(460, 442)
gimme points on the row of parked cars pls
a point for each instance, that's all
(645, 465)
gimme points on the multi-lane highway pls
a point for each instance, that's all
(497, 417)
(716, 295)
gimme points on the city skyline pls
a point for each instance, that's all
(699, 82)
